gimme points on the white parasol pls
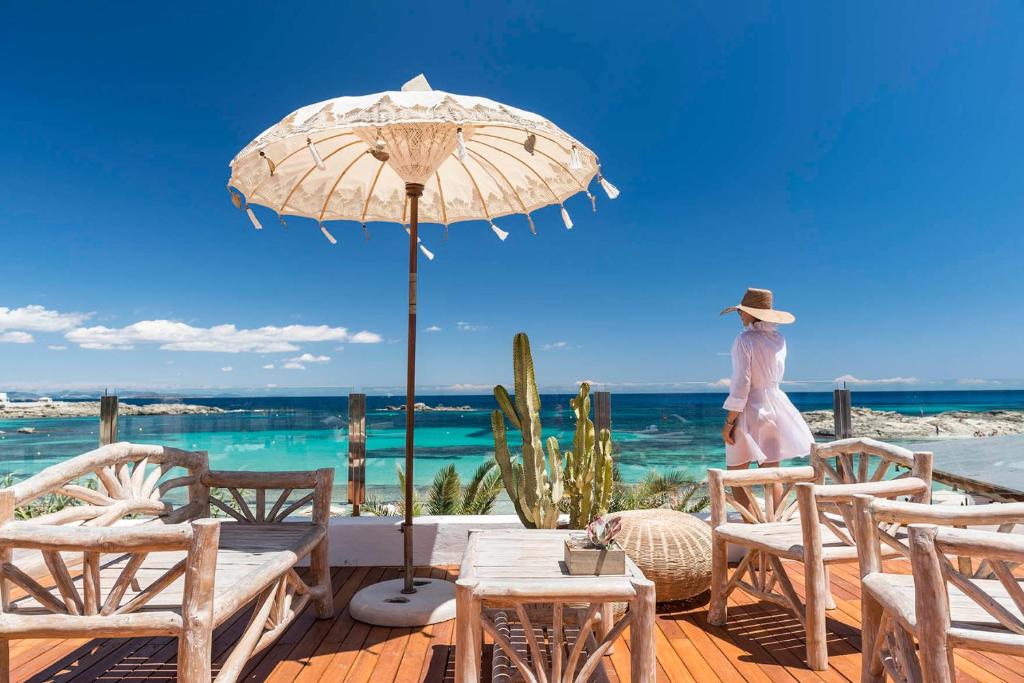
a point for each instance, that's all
(404, 157)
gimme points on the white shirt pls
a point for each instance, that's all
(769, 428)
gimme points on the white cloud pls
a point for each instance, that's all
(977, 382)
(433, 328)
(364, 337)
(723, 383)
(469, 327)
(226, 368)
(57, 347)
(268, 366)
(16, 338)
(39, 319)
(292, 365)
(850, 379)
(310, 358)
(179, 336)
(470, 387)
(558, 346)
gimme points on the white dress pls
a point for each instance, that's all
(769, 428)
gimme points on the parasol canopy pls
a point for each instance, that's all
(405, 157)
(350, 158)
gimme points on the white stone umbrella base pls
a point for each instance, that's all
(384, 604)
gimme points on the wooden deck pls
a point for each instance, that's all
(760, 643)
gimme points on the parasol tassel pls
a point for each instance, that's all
(252, 217)
(327, 234)
(236, 199)
(270, 164)
(575, 162)
(593, 201)
(530, 143)
(316, 155)
(533, 228)
(445, 232)
(281, 219)
(609, 189)
(426, 252)
(502, 235)
(566, 219)
(366, 233)
(460, 145)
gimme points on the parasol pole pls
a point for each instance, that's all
(413, 191)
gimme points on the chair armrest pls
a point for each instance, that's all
(844, 493)
(992, 514)
(132, 539)
(764, 475)
(990, 545)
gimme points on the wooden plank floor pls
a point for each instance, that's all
(760, 643)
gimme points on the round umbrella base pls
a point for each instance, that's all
(384, 604)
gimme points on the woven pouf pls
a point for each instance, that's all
(671, 548)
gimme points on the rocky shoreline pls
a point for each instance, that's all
(885, 424)
(424, 408)
(36, 410)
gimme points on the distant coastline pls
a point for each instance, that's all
(35, 410)
(954, 424)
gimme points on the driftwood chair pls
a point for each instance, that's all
(962, 592)
(816, 528)
(137, 556)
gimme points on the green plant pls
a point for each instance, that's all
(533, 482)
(602, 531)
(675, 490)
(44, 505)
(446, 495)
(588, 466)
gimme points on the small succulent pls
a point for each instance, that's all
(603, 530)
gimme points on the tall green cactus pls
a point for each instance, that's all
(588, 466)
(535, 484)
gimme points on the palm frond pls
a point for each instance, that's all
(445, 495)
(478, 477)
(482, 503)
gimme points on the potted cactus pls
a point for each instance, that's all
(596, 552)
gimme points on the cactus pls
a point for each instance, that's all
(535, 484)
(588, 466)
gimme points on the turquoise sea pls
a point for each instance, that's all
(661, 431)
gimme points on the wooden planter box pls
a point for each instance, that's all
(583, 560)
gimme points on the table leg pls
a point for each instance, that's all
(642, 654)
(468, 635)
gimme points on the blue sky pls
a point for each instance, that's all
(861, 159)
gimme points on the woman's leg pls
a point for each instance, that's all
(776, 489)
(740, 494)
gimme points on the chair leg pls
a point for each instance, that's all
(320, 564)
(718, 609)
(830, 602)
(5, 661)
(815, 601)
(871, 621)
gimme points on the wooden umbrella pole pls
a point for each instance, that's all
(414, 191)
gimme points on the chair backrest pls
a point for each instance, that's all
(934, 573)
(862, 460)
(117, 481)
(774, 484)
(885, 522)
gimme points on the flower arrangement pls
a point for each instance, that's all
(603, 530)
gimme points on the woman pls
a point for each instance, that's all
(762, 425)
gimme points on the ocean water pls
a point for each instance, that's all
(650, 431)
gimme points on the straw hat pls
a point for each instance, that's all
(758, 303)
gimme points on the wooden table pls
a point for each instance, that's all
(516, 568)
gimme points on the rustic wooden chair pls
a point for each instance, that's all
(816, 528)
(944, 604)
(136, 557)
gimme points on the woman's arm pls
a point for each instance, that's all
(739, 388)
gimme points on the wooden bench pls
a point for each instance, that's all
(139, 555)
